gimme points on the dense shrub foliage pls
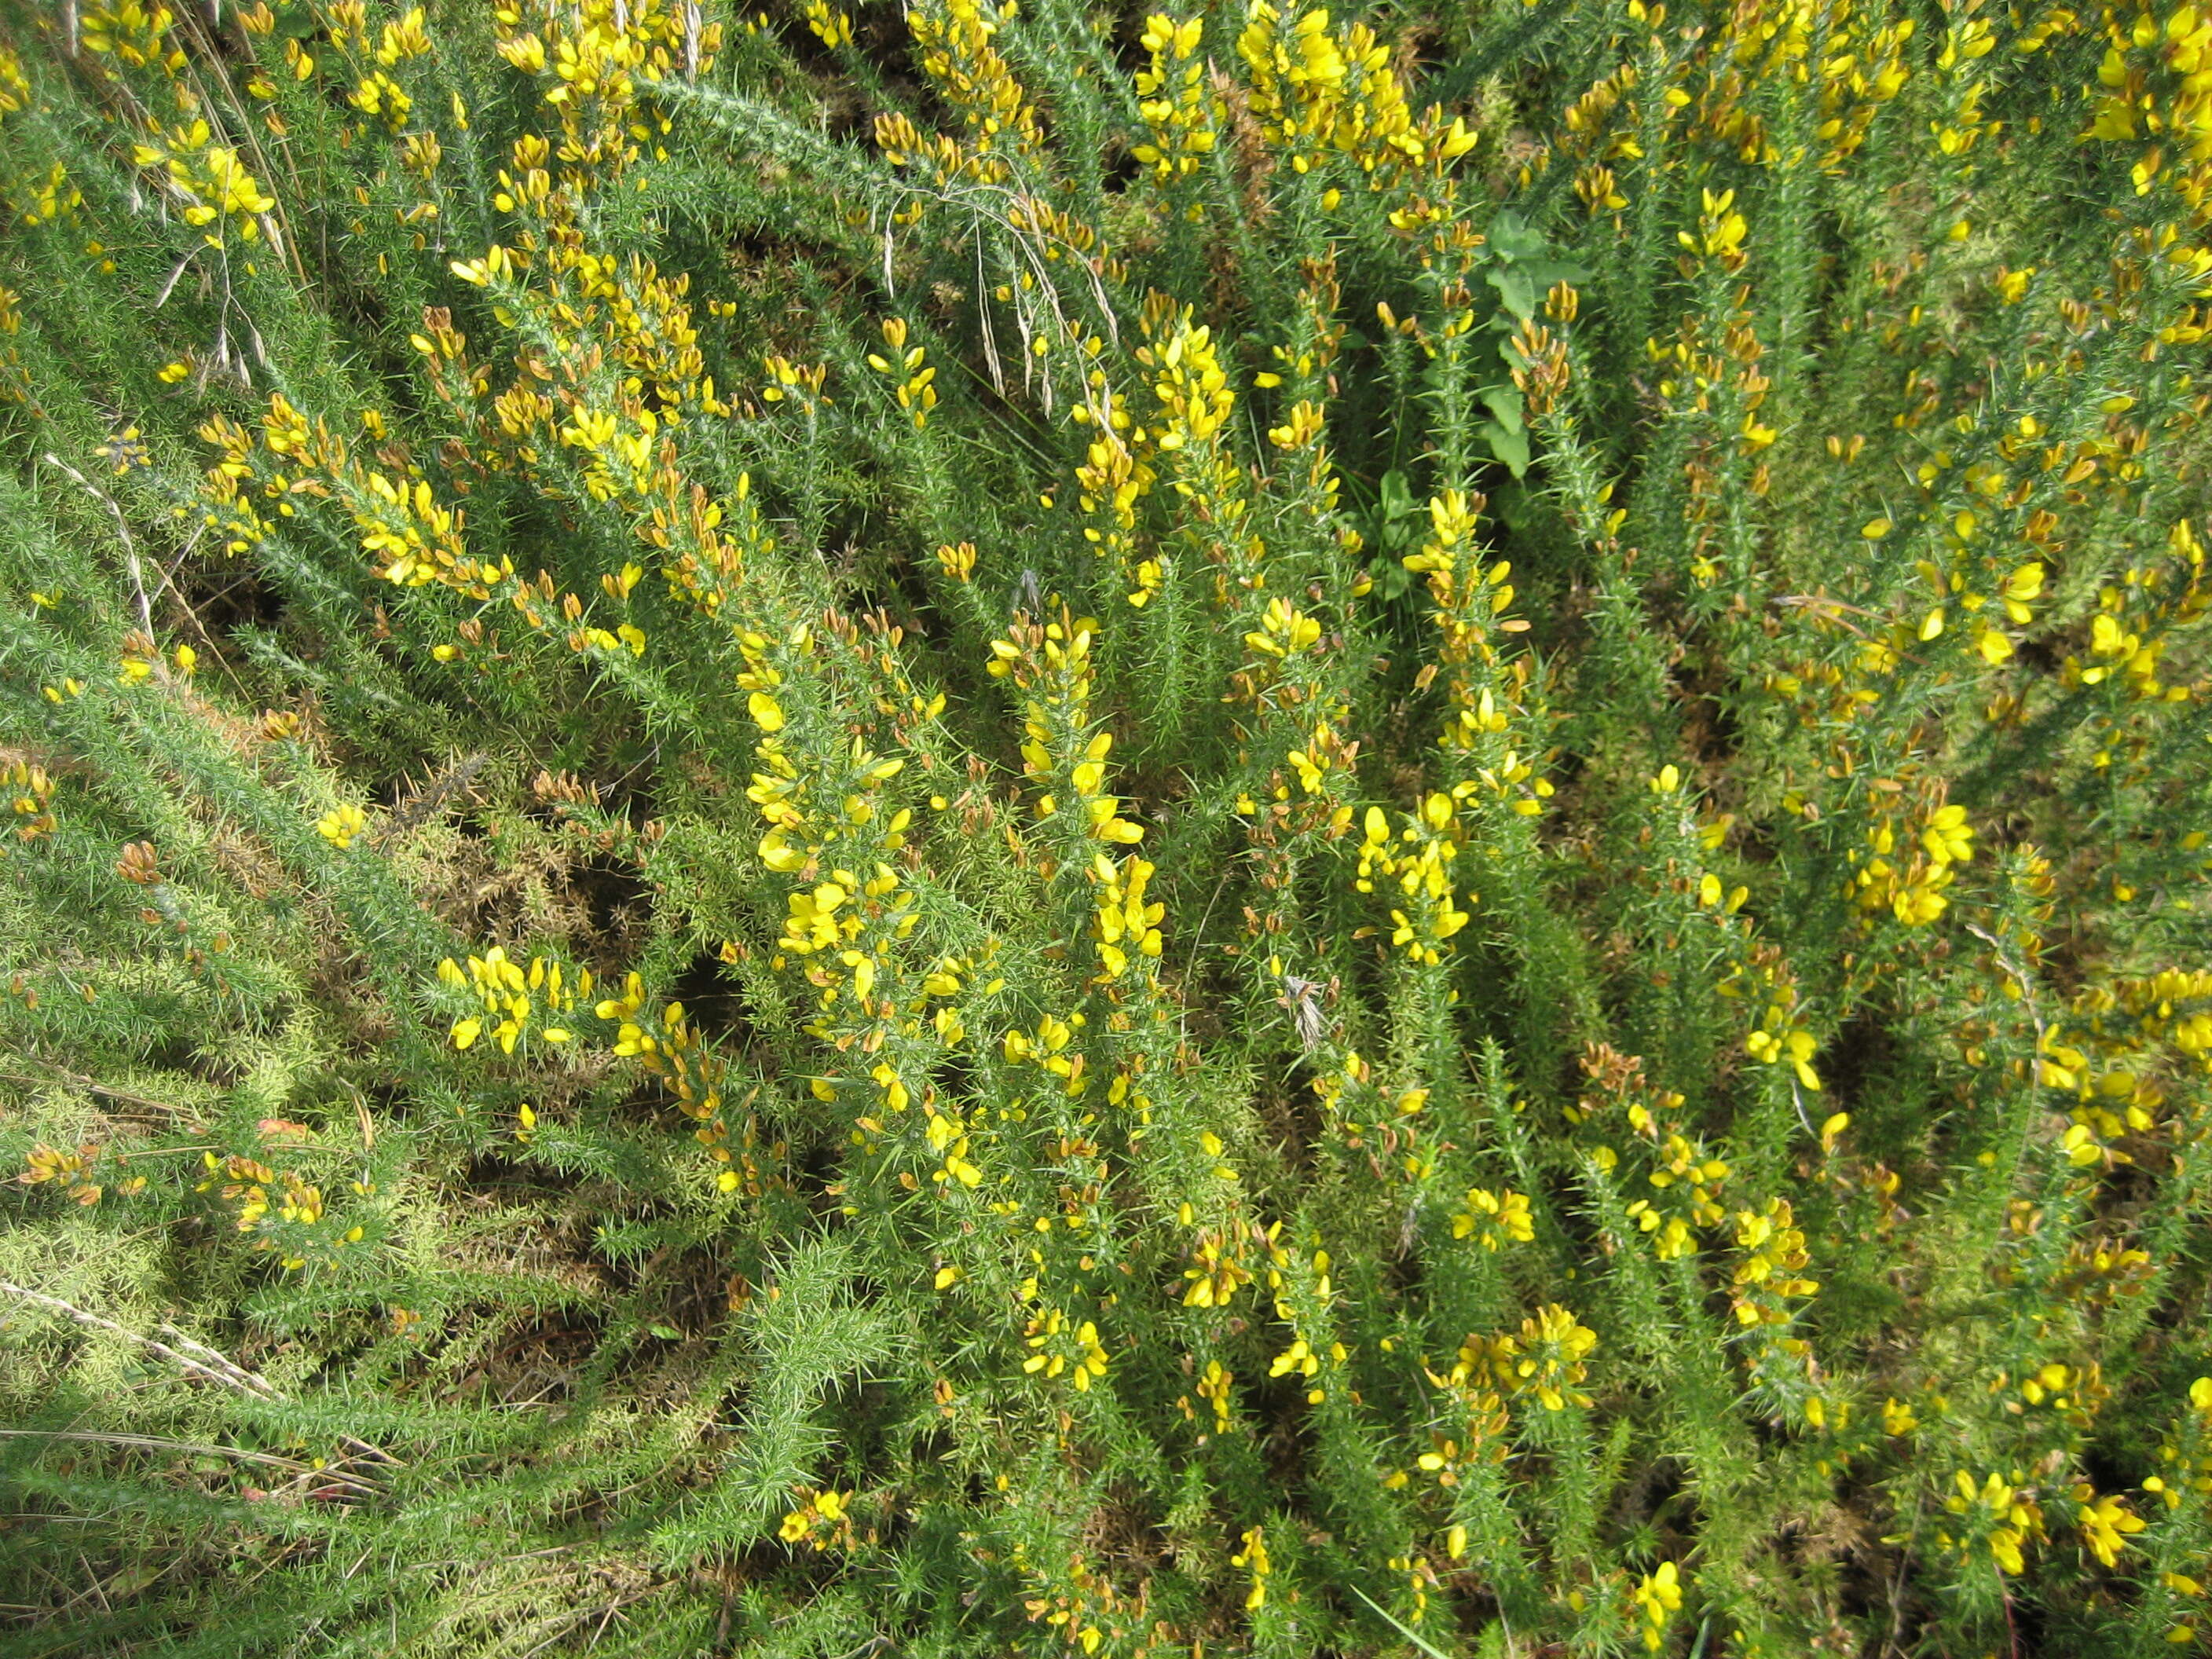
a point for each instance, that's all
(1022, 831)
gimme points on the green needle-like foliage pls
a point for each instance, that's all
(968, 830)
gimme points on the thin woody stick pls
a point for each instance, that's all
(213, 1366)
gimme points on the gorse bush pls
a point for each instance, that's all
(1023, 830)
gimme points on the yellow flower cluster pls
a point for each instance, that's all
(911, 380)
(2136, 617)
(287, 1222)
(1303, 1294)
(2005, 1519)
(2156, 83)
(1779, 1039)
(1720, 232)
(799, 384)
(1061, 1348)
(1196, 404)
(1319, 90)
(76, 1171)
(950, 1142)
(31, 193)
(1712, 368)
(1053, 661)
(1659, 1595)
(1771, 1271)
(1492, 1218)
(1473, 1388)
(626, 378)
(975, 78)
(1860, 71)
(33, 801)
(1546, 1360)
(415, 538)
(2099, 1271)
(380, 95)
(2172, 1006)
(847, 912)
(2186, 1456)
(1284, 630)
(1289, 678)
(209, 183)
(37, 198)
(591, 57)
(1194, 395)
(815, 926)
(2105, 1521)
(1297, 1360)
(1689, 1181)
(2107, 1053)
(1125, 922)
(1866, 68)
(1214, 1385)
(1449, 1458)
(822, 1520)
(796, 840)
(1218, 1271)
(1174, 103)
(2074, 1392)
(1047, 1049)
(1084, 1604)
(513, 996)
(133, 32)
(342, 825)
(1420, 858)
(638, 321)
(1253, 1558)
(1110, 484)
(694, 1074)
(1906, 874)
(1469, 601)
(831, 27)
(1957, 586)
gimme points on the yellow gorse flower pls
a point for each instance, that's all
(913, 380)
(342, 825)
(1253, 1558)
(1174, 104)
(515, 998)
(1494, 1219)
(1659, 1595)
(1908, 877)
(821, 1520)
(2006, 1519)
(1545, 1360)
